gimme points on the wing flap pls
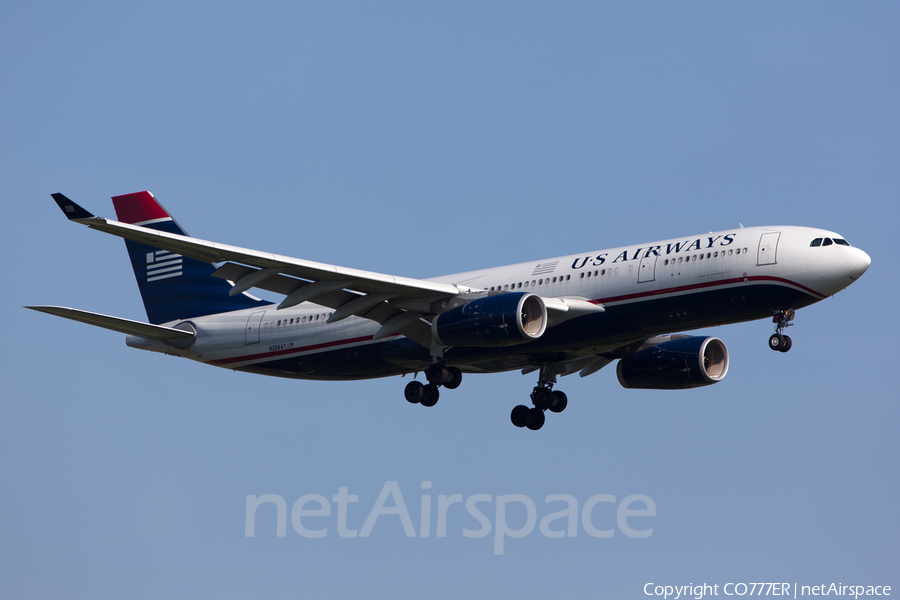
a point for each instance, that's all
(407, 324)
(273, 283)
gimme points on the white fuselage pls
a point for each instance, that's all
(707, 274)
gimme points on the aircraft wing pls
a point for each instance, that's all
(213, 252)
(349, 291)
(398, 303)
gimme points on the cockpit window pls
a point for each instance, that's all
(827, 242)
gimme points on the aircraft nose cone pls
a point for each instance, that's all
(857, 262)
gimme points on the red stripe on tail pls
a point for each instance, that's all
(138, 207)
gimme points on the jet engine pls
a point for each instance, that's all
(679, 364)
(501, 320)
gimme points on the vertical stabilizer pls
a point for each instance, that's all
(172, 286)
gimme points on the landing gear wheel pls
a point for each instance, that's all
(561, 402)
(414, 392)
(455, 378)
(782, 319)
(542, 397)
(777, 342)
(437, 374)
(431, 396)
(520, 415)
(536, 419)
(787, 344)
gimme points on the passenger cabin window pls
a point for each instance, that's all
(815, 243)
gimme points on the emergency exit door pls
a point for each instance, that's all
(648, 269)
(253, 323)
(768, 245)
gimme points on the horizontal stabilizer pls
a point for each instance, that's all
(138, 328)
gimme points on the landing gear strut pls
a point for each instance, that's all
(437, 374)
(543, 398)
(782, 318)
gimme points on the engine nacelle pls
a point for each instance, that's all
(501, 320)
(679, 364)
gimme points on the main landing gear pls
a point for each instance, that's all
(782, 318)
(543, 398)
(437, 374)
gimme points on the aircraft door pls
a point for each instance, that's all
(647, 270)
(253, 324)
(768, 245)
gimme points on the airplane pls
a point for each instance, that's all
(554, 317)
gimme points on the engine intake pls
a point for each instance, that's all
(502, 320)
(679, 364)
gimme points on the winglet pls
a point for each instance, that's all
(72, 211)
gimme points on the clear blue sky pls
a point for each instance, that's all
(419, 139)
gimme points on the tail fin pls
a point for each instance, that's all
(172, 286)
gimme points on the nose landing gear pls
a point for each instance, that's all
(778, 341)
